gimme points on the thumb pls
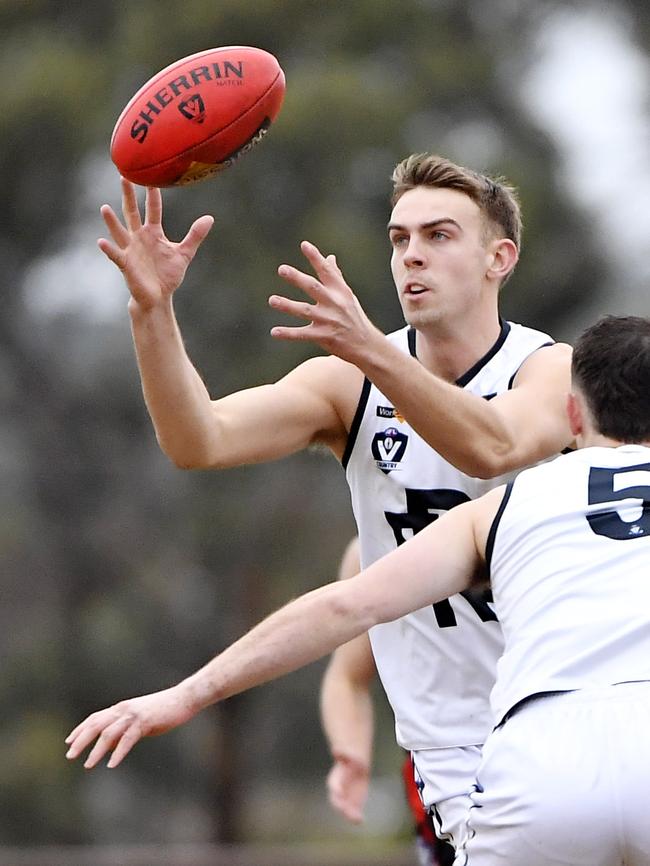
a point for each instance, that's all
(198, 232)
(334, 265)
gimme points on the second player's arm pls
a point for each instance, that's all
(437, 563)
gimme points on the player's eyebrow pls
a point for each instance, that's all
(391, 227)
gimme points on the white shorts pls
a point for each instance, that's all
(565, 782)
(446, 779)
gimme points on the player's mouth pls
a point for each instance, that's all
(414, 289)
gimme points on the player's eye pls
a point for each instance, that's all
(398, 240)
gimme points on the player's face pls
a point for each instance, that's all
(440, 255)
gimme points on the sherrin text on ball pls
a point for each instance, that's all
(196, 116)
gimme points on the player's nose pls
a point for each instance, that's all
(414, 255)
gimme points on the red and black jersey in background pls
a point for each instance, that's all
(431, 850)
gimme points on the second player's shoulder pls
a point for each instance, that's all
(548, 481)
(484, 513)
(472, 520)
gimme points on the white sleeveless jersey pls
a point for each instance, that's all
(437, 665)
(569, 555)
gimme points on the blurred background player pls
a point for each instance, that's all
(347, 716)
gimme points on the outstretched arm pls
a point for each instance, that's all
(153, 268)
(192, 429)
(347, 713)
(482, 438)
(438, 562)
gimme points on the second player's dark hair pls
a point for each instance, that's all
(611, 367)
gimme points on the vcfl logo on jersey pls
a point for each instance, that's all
(388, 448)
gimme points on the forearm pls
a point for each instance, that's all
(314, 624)
(347, 716)
(299, 633)
(460, 426)
(176, 398)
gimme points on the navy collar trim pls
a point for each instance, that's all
(475, 368)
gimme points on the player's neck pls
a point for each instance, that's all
(593, 439)
(450, 351)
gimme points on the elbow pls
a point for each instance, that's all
(489, 463)
(487, 471)
(182, 458)
(181, 463)
(194, 462)
(353, 617)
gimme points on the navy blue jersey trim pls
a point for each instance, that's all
(543, 346)
(410, 336)
(469, 375)
(489, 544)
(528, 700)
(436, 820)
(356, 422)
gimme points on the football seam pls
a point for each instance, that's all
(187, 150)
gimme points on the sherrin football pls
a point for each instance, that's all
(197, 116)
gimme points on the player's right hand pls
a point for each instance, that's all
(118, 728)
(152, 265)
(347, 787)
(337, 321)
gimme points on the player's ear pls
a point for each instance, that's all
(503, 257)
(575, 415)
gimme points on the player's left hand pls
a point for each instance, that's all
(347, 787)
(118, 728)
(336, 319)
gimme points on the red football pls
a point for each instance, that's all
(196, 116)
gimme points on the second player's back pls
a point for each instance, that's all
(573, 589)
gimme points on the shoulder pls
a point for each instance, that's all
(334, 381)
(550, 475)
(328, 375)
(485, 509)
(545, 362)
(476, 518)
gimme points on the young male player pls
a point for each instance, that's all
(487, 395)
(567, 549)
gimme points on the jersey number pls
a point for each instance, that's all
(606, 485)
(422, 508)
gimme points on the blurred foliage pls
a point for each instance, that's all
(121, 574)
